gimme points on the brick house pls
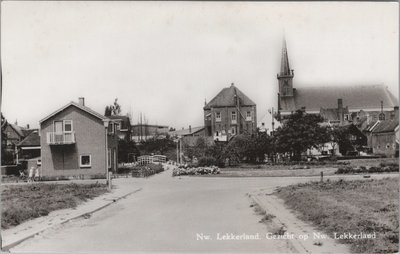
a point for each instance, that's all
(230, 113)
(77, 142)
(375, 102)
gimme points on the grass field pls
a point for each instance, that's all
(355, 207)
(251, 170)
(20, 203)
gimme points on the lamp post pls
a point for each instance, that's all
(106, 123)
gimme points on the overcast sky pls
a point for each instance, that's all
(165, 58)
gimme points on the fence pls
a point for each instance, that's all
(146, 159)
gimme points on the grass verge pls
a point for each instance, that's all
(24, 202)
(354, 207)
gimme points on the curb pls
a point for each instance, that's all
(293, 244)
(7, 247)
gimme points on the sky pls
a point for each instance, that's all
(164, 59)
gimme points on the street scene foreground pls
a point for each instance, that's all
(190, 214)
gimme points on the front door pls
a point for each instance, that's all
(58, 131)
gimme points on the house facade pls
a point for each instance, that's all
(230, 113)
(13, 135)
(123, 126)
(383, 137)
(375, 102)
(77, 142)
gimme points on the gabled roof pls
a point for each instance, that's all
(84, 108)
(33, 139)
(226, 98)
(355, 97)
(332, 114)
(385, 126)
(17, 129)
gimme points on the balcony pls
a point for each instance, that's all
(63, 138)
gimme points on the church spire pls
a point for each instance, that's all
(285, 68)
(285, 76)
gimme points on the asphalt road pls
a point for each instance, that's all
(170, 215)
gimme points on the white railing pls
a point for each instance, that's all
(62, 138)
(146, 159)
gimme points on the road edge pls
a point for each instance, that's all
(7, 247)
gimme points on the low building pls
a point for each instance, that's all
(143, 132)
(77, 142)
(190, 132)
(230, 113)
(383, 138)
(29, 147)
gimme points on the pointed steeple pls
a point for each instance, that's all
(285, 76)
(285, 68)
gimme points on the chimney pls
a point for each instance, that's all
(82, 101)
(190, 129)
(396, 112)
(27, 126)
(340, 104)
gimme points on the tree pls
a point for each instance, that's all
(3, 139)
(114, 109)
(300, 132)
(127, 149)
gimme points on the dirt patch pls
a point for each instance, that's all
(24, 202)
(353, 207)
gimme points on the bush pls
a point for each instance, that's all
(207, 161)
(368, 170)
(185, 170)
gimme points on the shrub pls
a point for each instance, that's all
(207, 161)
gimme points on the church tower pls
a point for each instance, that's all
(285, 76)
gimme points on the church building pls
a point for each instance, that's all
(339, 104)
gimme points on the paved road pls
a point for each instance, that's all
(166, 216)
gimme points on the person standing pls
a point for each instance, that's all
(37, 174)
(30, 176)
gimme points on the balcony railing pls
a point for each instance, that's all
(63, 138)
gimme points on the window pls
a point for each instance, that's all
(118, 126)
(233, 131)
(111, 127)
(381, 116)
(347, 117)
(233, 117)
(85, 161)
(109, 158)
(67, 125)
(68, 130)
(248, 116)
(218, 116)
